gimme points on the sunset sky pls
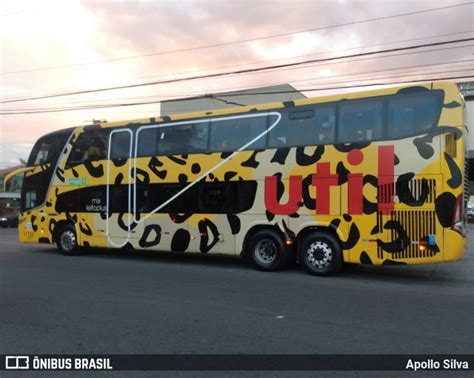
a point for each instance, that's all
(52, 47)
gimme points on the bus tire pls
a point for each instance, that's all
(267, 251)
(66, 240)
(320, 254)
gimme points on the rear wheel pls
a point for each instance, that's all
(267, 251)
(320, 254)
(66, 240)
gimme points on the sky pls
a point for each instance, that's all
(51, 47)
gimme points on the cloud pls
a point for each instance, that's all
(56, 33)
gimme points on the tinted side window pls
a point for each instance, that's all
(173, 140)
(120, 145)
(410, 114)
(147, 142)
(91, 145)
(214, 198)
(151, 196)
(182, 139)
(232, 134)
(305, 126)
(360, 120)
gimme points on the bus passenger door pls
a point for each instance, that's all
(119, 197)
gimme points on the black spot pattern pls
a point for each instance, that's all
(403, 190)
(251, 162)
(225, 155)
(309, 202)
(205, 226)
(288, 231)
(118, 179)
(365, 259)
(303, 160)
(456, 176)
(424, 149)
(342, 172)
(85, 229)
(52, 226)
(149, 229)
(229, 175)
(180, 241)
(177, 160)
(153, 164)
(400, 243)
(280, 156)
(445, 204)
(59, 174)
(352, 239)
(270, 216)
(196, 168)
(122, 224)
(33, 225)
(94, 171)
(234, 223)
(182, 178)
(141, 176)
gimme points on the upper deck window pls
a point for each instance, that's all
(308, 125)
(360, 120)
(236, 132)
(173, 139)
(415, 113)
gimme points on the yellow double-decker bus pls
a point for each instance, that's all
(375, 177)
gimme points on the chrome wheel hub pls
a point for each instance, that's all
(266, 251)
(319, 254)
(68, 240)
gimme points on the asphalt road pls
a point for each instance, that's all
(112, 302)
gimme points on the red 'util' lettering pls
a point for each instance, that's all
(294, 195)
(323, 180)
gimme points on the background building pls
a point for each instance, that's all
(261, 95)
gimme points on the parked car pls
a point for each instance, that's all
(9, 221)
(470, 211)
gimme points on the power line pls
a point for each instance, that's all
(350, 75)
(323, 80)
(293, 57)
(282, 59)
(238, 72)
(237, 41)
(470, 76)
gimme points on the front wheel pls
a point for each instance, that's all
(320, 254)
(67, 241)
(267, 251)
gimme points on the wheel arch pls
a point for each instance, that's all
(60, 225)
(253, 230)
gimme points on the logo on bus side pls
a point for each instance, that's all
(323, 180)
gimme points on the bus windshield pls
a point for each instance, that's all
(47, 149)
(45, 152)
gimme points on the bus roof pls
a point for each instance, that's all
(274, 105)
